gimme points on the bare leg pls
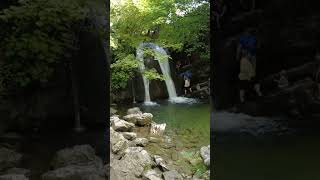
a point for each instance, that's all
(185, 92)
(190, 90)
(242, 93)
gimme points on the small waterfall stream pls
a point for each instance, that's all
(165, 68)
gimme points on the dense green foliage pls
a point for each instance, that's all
(34, 36)
(179, 25)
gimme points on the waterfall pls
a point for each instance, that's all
(165, 69)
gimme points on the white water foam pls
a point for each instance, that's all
(150, 103)
(183, 100)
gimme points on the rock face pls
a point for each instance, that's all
(172, 175)
(139, 119)
(205, 154)
(121, 125)
(132, 164)
(77, 163)
(157, 129)
(9, 158)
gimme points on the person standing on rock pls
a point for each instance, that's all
(247, 75)
(187, 85)
(248, 45)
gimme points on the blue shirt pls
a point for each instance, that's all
(249, 42)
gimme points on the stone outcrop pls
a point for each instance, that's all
(133, 163)
(140, 119)
(121, 125)
(78, 162)
(205, 154)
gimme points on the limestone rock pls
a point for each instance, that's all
(172, 175)
(121, 125)
(76, 172)
(152, 175)
(205, 154)
(117, 142)
(140, 119)
(141, 142)
(134, 110)
(9, 158)
(129, 135)
(78, 155)
(154, 140)
(160, 162)
(157, 129)
(13, 177)
(132, 164)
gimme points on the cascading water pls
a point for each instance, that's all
(165, 68)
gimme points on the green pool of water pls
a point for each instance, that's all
(189, 121)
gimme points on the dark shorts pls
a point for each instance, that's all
(186, 88)
(245, 84)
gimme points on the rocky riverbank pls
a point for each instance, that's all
(78, 162)
(141, 149)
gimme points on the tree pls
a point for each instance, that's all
(35, 35)
(179, 25)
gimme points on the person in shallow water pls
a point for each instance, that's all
(187, 85)
(247, 75)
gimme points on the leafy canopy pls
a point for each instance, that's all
(34, 36)
(179, 25)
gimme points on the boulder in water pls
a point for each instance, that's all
(9, 158)
(121, 125)
(134, 110)
(170, 175)
(157, 129)
(205, 154)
